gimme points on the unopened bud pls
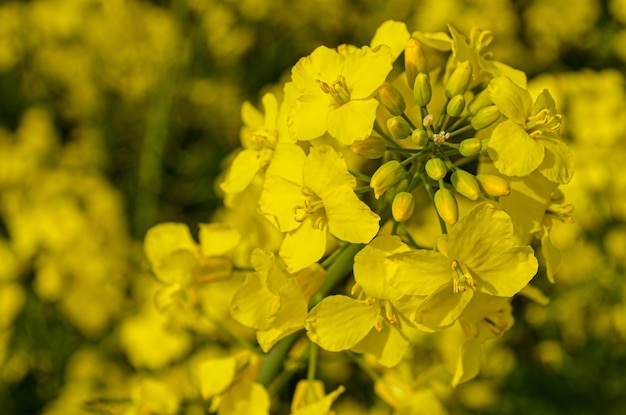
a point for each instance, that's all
(386, 176)
(479, 101)
(402, 206)
(493, 185)
(392, 99)
(414, 61)
(459, 80)
(456, 105)
(399, 128)
(419, 137)
(483, 147)
(485, 117)
(436, 169)
(466, 184)
(422, 90)
(371, 148)
(446, 206)
(470, 147)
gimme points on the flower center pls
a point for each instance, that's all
(261, 138)
(311, 205)
(338, 90)
(462, 277)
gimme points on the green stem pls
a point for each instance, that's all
(431, 194)
(273, 362)
(336, 272)
(360, 176)
(313, 354)
(460, 130)
(408, 120)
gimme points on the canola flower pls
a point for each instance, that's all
(345, 165)
(346, 168)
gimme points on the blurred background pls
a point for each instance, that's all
(116, 115)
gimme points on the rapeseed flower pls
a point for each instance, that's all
(336, 90)
(375, 322)
(528, 140)
(312, 196)
(478, 255)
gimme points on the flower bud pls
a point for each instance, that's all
(485, 117)
(456, 105)
(466, 184)
(483, 147)
(392, 99)
(493, 185)
(414, 61)
(422, 90)
(386, 176)
(459, 80)
(470, 147)
(479, 101)
(446, 206)
(371, 148)
(399, 128)
(402, 206)
(419, 137)
(436, 169)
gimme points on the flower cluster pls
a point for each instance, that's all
(349, 164)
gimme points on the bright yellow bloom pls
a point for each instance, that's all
(259, 137)
(311, 399)
(478, 255)
(528, 139)
(336, 92)
(376, 321)
(274, 302)
(182, 264)
(311, 196)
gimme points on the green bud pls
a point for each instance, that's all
(470, 147)
(446, 206)
(414, 61)
(402, 206)
(459, 80)
(371, 148)
(456, 105)
(419, 137)
(483, 147)
(480, 101)
(399, 128)
(436, 169)
(422, 90)
(466, 184)
(485, 117)
(386, 176)
(391, 98)
(493, 185)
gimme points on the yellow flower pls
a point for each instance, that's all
(478, 255)
(259, 137)
(272, 301)
(336, 92)
(311, 196)
(528, 140)
(374, 323)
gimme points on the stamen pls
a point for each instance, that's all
(338, 89)
(463, 278)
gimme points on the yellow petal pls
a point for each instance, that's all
(340, 322)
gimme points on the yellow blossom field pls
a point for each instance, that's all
(323, 207)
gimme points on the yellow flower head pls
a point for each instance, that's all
(478, 255)
(336, 92)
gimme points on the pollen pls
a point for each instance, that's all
(463, 278)
(338, 90)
